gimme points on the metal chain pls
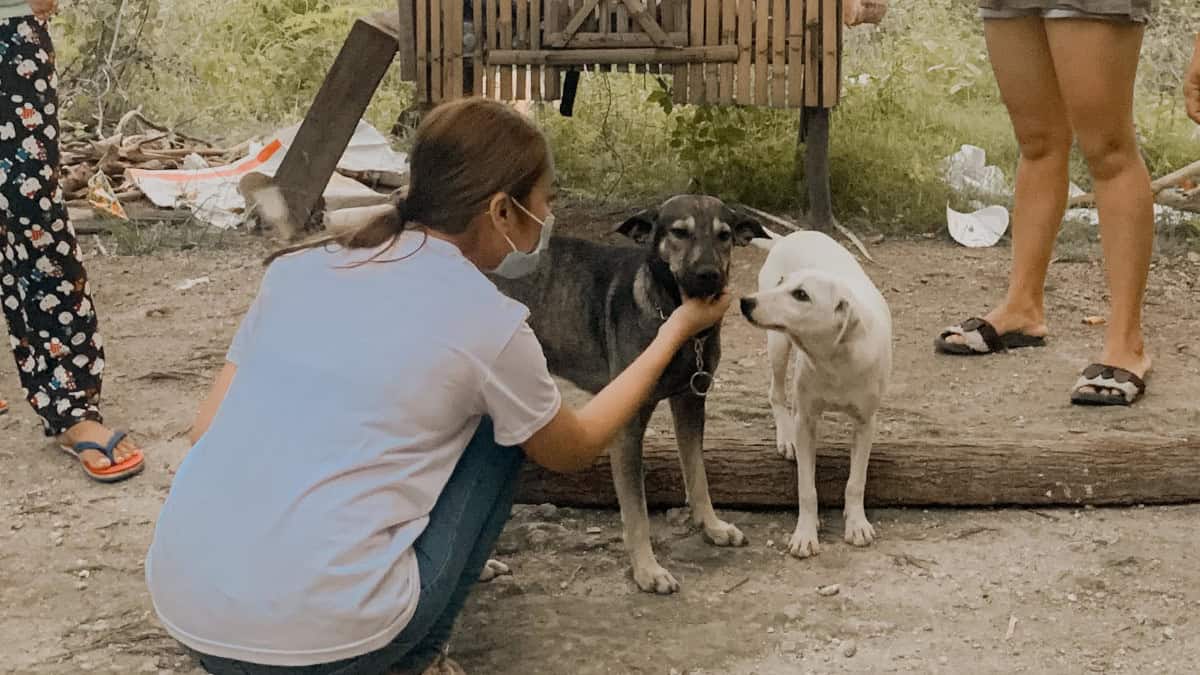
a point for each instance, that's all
(704, 377)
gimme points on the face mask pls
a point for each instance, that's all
(519, 263)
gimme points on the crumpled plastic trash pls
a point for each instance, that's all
(103, 197)
(978, 229)
(967, 171)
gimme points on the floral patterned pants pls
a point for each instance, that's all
(43, 286)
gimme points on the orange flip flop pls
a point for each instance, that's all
(114, 472)
(3, 406)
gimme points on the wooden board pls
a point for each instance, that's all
(585, 57)
(745, 42)
(522, 42)
(812, 53)
(422, 27)
(407, 26)
(679, 74)
(747, 472)
(712, 38)
(435, 50)
(505, 25)
(795, 45)
(778, 53)
(553, 79)
(728, 37)
(831, 25)
(696, 92)
(535, 42)
(478, 72)
(492, 9)
(761, 55)
(454, 49)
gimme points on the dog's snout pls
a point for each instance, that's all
(748, 305)
(708, 275)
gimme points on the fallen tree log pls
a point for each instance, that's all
(1179, 177)
(747, 472)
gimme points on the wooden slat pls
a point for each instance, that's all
(478, 72)
(761, 55)
(666, 19)
(778, 53)
(812, 52)
(712, 37)
(535, 42)
(554, 12)
(696, 71)
(591, 57)
(422, 28)
(407, 45)
(598, 41)
(435, 51)
(645, 19)
(831, 22)
(454, 49)
(521, 42)
(728, 37)
(505, 26)
(679, 74)
(745, 19)
(795, 44)
(578, 14)
(622, 28)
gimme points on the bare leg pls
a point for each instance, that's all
(631, 494)
(1021, 59)
(779, 350)
(858, 529)
(804, 539)
(1096, 63)
(687, 411)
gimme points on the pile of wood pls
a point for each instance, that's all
(137, 143)
(1179, 189)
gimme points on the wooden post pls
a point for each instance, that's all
(406, 30)
(335, 112)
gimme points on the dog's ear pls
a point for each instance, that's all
(640, 226)
(747, 227)
(847, 319)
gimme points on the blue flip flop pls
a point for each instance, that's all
(114, 472)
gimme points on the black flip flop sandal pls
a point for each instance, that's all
(1116, 386)
(980, 337)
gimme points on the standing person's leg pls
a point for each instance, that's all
(1021, 59)
(1096, 62)
(46, 296)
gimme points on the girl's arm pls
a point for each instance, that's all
(208, 408)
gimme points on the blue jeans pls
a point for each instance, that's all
(451, 552)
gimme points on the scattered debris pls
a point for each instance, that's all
(970, 532)
(795, 228)
(736, 586)
(979, 229)
(189, 284)
(829, 591)
(1094, 320)
(493, 569)
(1012, 627)
(570, 580)
(849, 649)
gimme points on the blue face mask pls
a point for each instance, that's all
(518, 263)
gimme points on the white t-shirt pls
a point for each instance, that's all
(287, 537)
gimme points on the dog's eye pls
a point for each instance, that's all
(680, 232)
(801, 295)
(724, 235)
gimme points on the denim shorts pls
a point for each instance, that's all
(1123, 11)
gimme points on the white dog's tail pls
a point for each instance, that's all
(766, 244)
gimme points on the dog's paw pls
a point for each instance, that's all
(859, 532)
(724, 534)
(785, 437)
(652, 578)
(804, 542)
(493, 569)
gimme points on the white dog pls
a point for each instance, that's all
(813, 294)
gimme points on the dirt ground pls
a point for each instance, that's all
(995, 591)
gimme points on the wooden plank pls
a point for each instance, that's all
(675, 19)
(521, 41)
(830, 22)
(745, 41)
(582, 57)
(795, 44)
(422, 28)
(437, 57)
(696, 71)
(622, 16)
(535, 42)
(637, 9)
(493, 43)
(598, 41)
(333, 116)
(553, 77)
(761, 55)
(666, 19)
(478, 71)
(725, 82)
(746, 471)
(576, 22)
(712, 38)
(812, 53)
(454, 49)
(407, 30)
(505, 25)
(779, 53)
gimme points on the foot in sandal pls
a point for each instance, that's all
(1000, 330)
(1118, 378)
(3, 406)
(105, 455)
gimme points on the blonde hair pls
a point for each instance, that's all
(464, 152)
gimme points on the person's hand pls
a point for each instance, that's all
(43, 9)
(697, 314)
(1191, 85)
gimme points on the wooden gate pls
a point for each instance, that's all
(778, 53)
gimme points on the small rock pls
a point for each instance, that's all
(829, 591)
(594, 530)
(547, 512)
(16, 526)
(81, 585)
(849, 649)
(1071, 597)
(1194, 257)
(770, 543)
(1168, 633)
